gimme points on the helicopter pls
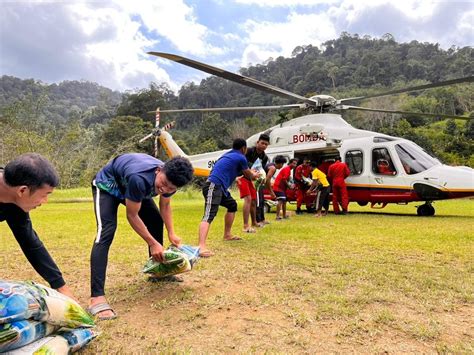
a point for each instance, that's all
(384, 169)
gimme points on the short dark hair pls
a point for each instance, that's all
(239, 143)
(338, 158)
(264, 137)
(293, 159)
(178, 171)
(32, 170)
(313, 164)
(280, 159)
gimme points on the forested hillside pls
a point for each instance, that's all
(80, 125)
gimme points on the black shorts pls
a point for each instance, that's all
(214, 197)
(280, 195)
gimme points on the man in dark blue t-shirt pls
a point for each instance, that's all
(133, 180)
(216, 193)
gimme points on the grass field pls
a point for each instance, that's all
(373, 281)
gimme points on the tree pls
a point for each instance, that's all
(451, 128)
(214, 129)
(469, 130)
(122, 135)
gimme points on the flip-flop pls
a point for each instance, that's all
(248, 230)
(100, 307)
(205, 253)
(234, 238)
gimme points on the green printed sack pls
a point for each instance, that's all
(63, 310)
(17, 334)
(30, 300)
(62, 343)
(176, 262)
(261, 173)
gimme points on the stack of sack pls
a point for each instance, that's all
(36, 319)
(176, 261)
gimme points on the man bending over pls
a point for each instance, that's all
(25, 184)
(133, 180)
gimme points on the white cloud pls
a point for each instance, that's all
(284, 3)
(445, 22)
(175, 21)
(120, 55)
(267, 39)
(106, 41)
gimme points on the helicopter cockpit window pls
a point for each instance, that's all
(382, 163)
(355, 161)
(414, 159)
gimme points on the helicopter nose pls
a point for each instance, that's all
(458, 181)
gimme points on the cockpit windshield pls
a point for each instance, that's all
(414, 159)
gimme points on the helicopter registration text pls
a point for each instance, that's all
(303, 138)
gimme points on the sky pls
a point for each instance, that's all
(107, 41)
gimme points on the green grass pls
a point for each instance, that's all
(372, 281)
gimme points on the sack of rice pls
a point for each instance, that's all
(261, 173)
(38, 302)
(192, 253)
(18, 303)
(176, 262)
(62, 343)
(17, 334)
(63, 310)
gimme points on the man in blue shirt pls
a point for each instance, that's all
(133, 180)
(216, 193)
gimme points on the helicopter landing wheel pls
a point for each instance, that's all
(426, 210)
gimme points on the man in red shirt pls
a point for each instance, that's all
(280, 186)
(325, 164)
(337, 173)
(303, 170)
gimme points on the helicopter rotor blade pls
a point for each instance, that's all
(420, 114)
(468, 79)
(223, 109)
(237, 78)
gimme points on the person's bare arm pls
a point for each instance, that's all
(250, 174)
(268, 180)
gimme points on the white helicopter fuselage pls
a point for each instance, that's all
(410, 174)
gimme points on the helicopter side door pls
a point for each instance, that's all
(358, 182)
(387, 182)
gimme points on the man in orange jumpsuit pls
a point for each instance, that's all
(337, 173)
(303, 170)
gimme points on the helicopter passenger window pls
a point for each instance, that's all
(382, 164)
(414, 159)
(354, 161)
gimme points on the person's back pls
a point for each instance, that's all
(338, 172)
(129, 176)
(282, 178)
(227, 168)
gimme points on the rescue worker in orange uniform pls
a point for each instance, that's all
(303, 170)
(337, 174)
